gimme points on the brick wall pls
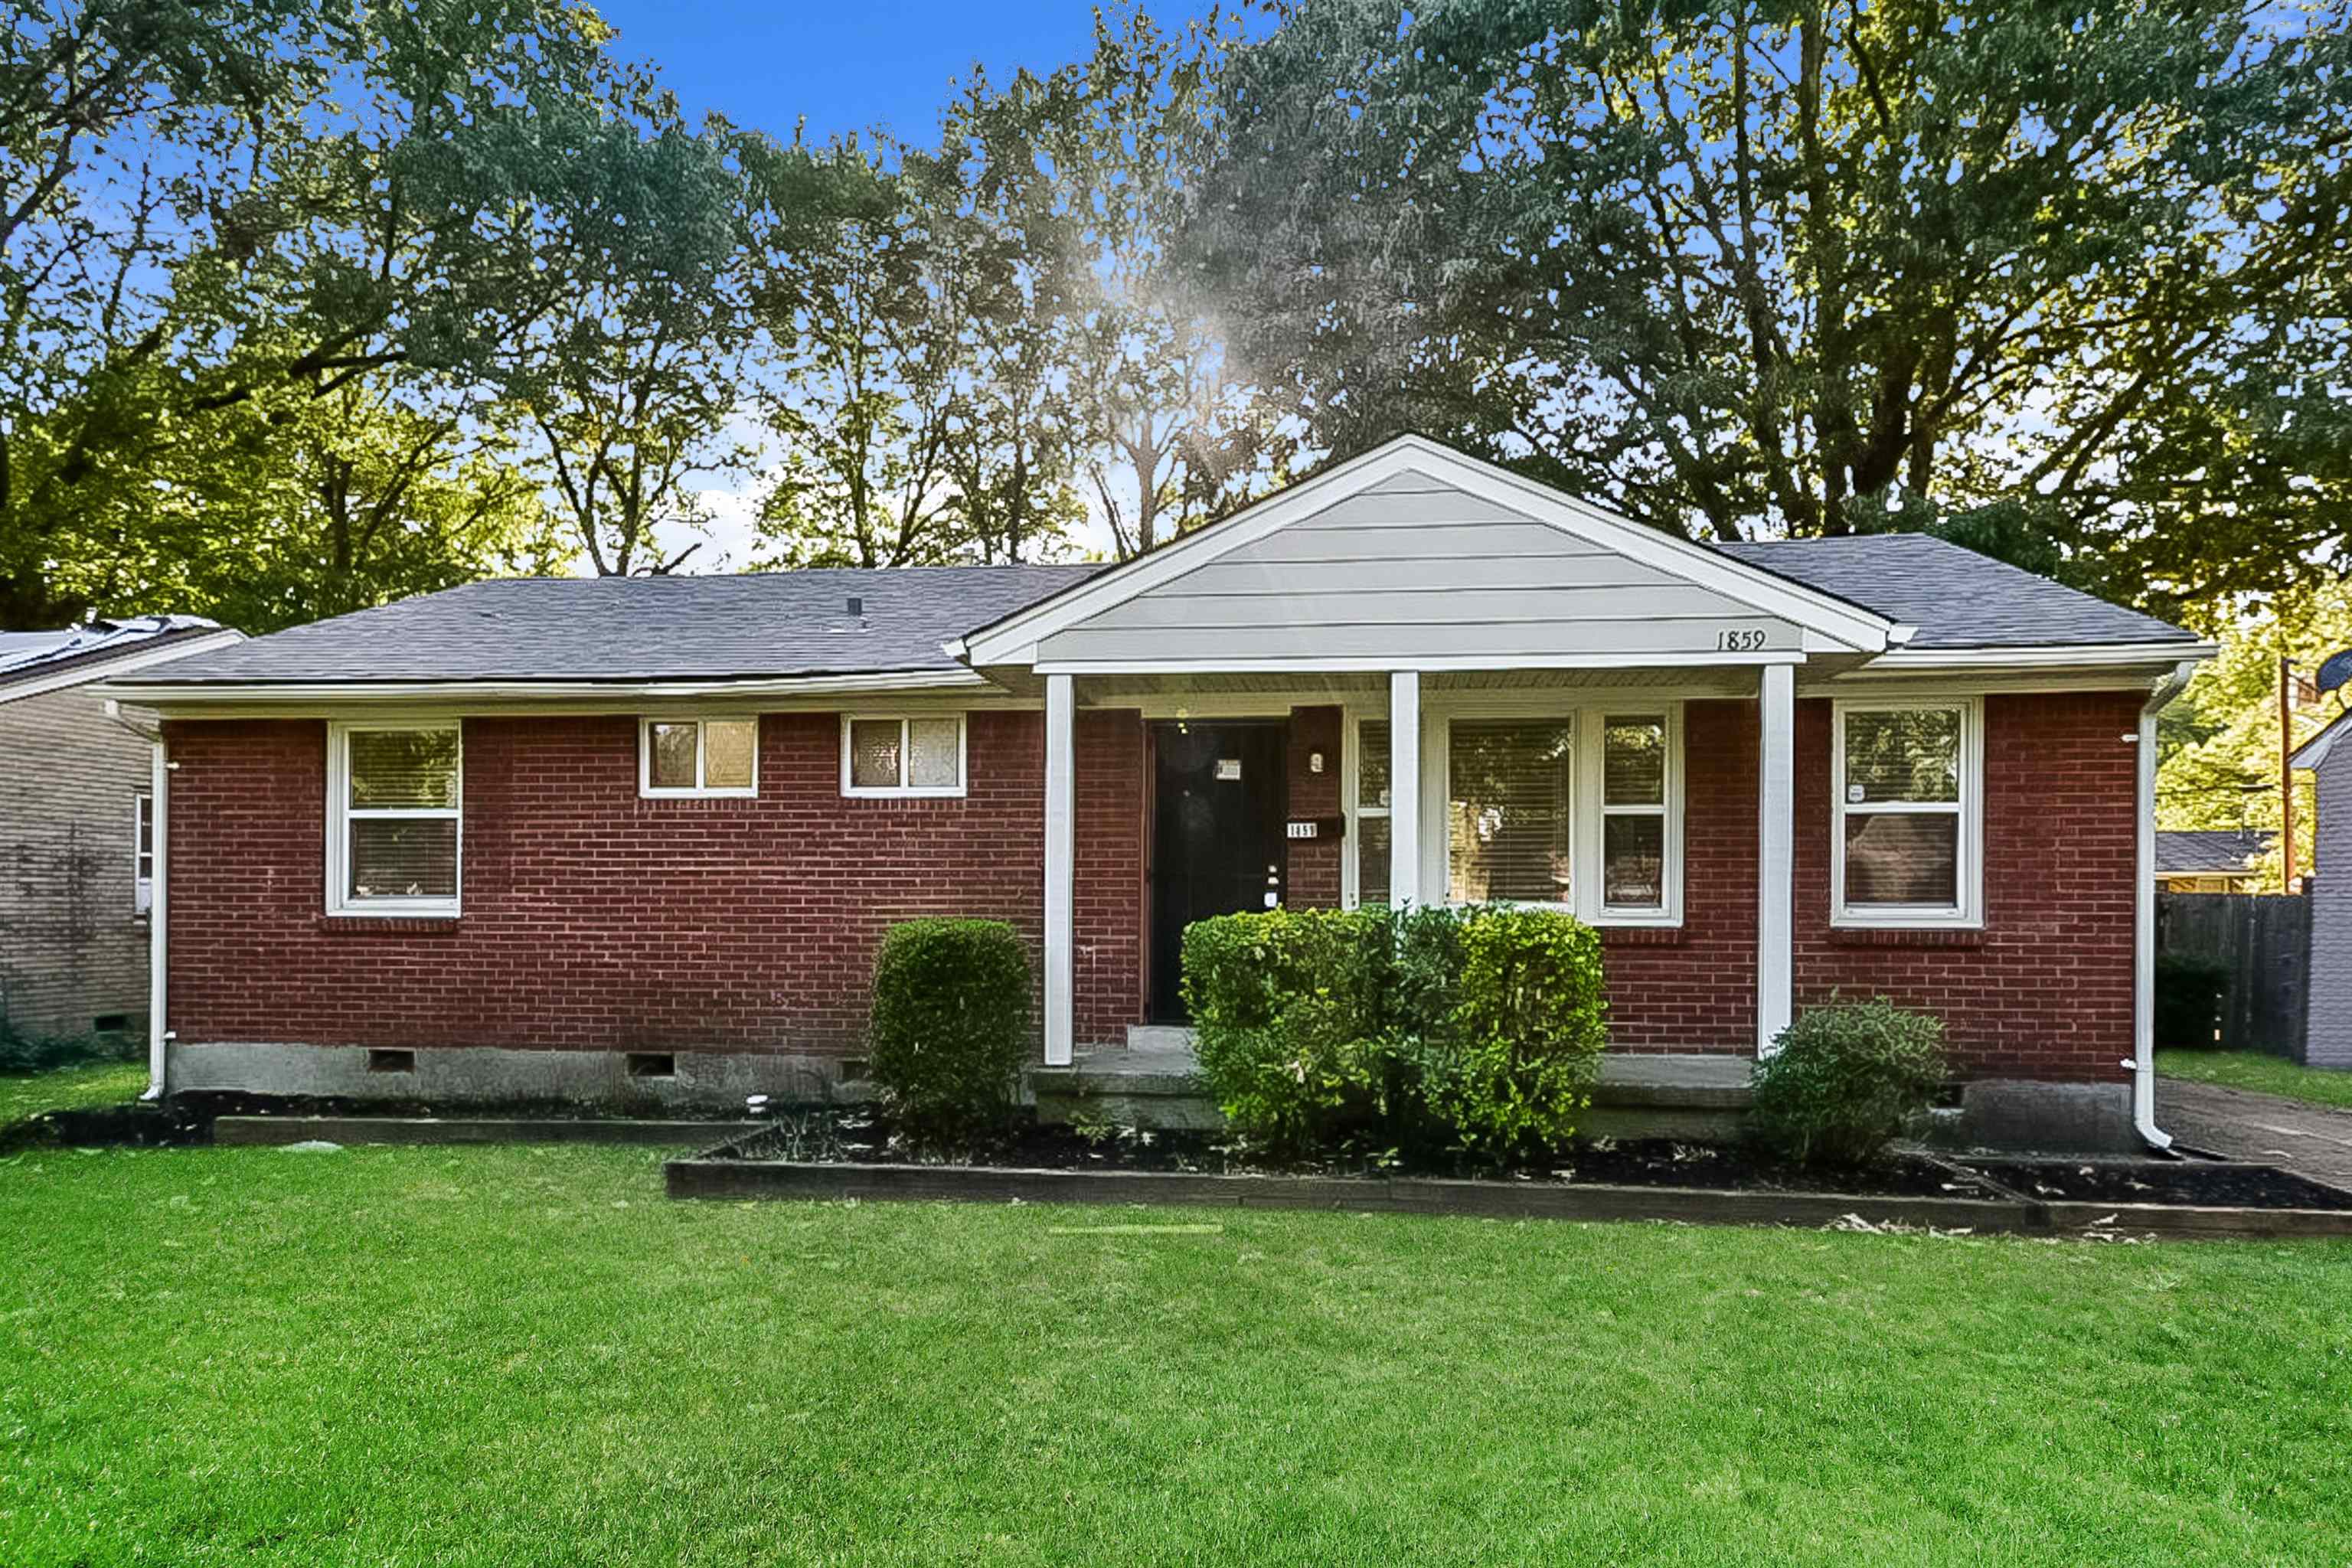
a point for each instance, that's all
(596, 920)
(73, 949)
(1312, 865)
(2044, 990)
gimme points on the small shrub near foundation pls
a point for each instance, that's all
(1516, 1069)
(1286, 1010)
(1847, 1077)
(950, 1026)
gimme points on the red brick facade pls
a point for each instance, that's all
(596, 920)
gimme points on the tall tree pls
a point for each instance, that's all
(864, 355)
(1822, 267)
(205, 203)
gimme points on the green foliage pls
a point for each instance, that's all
(21, 1053)
(1740, 268)
(1847, 1077)
(950, 1026)
(1527, 1033)
(1287, 1008)
(2189, 991)
(1485, 1025)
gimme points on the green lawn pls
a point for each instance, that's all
(2264, 1074)
(519, 1357)
(79, 1087)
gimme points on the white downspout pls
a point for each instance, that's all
(158, 939)
(2143, 1062)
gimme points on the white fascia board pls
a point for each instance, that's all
(100, 674)
(1014, 640)
(1375, 663)
(1907, 661)
(617, 695)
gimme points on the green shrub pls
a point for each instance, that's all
(1846, 1078)
(21, 1053)
(950, 1026)
(1516, 1064)
(1317, 1025)
(2189, 990)
(1286, 1010)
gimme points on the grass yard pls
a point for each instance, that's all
(82, 1088)
(2262, 1074)
(522, 1356)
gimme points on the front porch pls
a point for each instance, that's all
(1154, 1082)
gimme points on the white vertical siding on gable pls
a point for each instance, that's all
(1416, 568)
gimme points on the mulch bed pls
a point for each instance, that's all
(855, 1152)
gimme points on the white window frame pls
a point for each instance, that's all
(649, 790)
(1968, 913)
(143, 852)
(1587, 714)
(902, 790)
(340, 816)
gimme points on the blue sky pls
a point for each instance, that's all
(845, 65)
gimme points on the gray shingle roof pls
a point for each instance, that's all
(637, 628)
(1956, 598)
(785, 624)
(2179, 853)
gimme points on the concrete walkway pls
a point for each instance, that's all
(2314, 1140)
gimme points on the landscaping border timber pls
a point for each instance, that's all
(283, 1129)
(713, 1176)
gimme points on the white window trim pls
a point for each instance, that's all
(340, 815)
(1968, 913)
(1588, 712)
(905, 759)
(649, 790)
(142, 859)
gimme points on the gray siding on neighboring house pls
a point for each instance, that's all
(2328, 1034)
(73, 948)
(1415, 567)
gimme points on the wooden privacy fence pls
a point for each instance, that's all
(2265, 939)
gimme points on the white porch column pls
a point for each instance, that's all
(1775, 855)
(1061, 867)
(1404, 787)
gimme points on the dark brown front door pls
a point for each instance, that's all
(1217, 836)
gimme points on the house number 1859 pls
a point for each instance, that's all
(1739, 641)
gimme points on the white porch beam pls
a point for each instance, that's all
(1404, 787)
(1776, 857)
(1061, 867)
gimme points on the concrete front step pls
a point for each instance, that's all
(1693, 1096)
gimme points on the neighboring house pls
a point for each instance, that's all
(76, 824)
(2327, 1027)
(2202, 861)
(548, 837)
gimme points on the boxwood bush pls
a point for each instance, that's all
(1286, 1008)
(1847, 1077)
(1524, 1051)
(950, 1026)
(1483, 1026)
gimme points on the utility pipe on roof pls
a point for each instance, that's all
(2143, 1062)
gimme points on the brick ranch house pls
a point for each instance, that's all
(577, 838)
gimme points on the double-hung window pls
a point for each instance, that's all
(683, 757)
(1907, 803)
(394, 810)
(1578, 809)
(902, 754)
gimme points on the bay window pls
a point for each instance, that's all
(394, 818)
(1906, 787)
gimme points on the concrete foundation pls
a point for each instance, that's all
(2072, 1118)
(483, 1075)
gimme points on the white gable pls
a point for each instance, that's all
(1420, 556)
